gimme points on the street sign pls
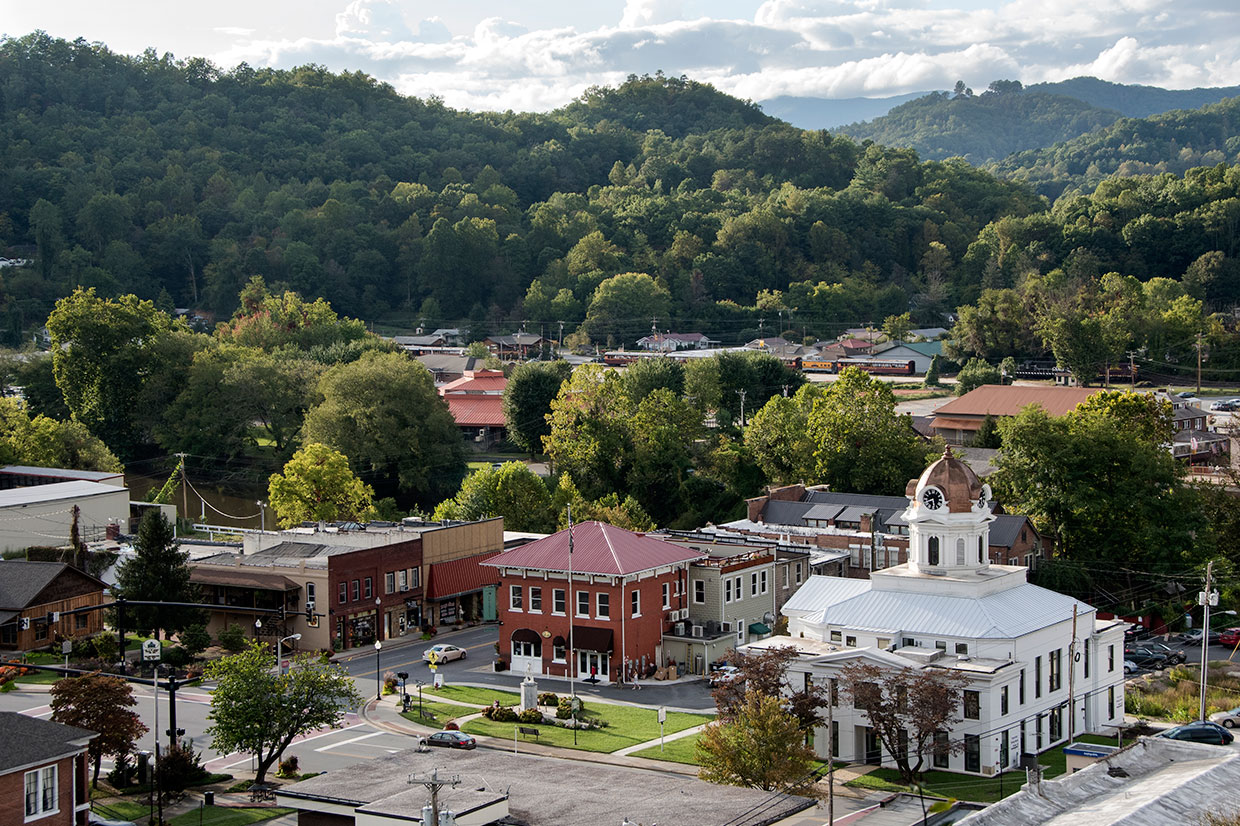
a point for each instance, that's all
(662, 714)
(433, 659)
(284, 664)
(150, 650)
(66, 647)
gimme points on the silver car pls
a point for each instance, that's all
(1227, 719)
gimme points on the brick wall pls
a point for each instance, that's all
(13, 796)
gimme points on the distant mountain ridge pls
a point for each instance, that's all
(1009, 118)
(831, 113)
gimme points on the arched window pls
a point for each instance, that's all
(960, 550)
(933, 550)
(981, 550)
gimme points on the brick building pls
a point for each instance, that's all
(627, 590)
(43, 772)
(40, 600)
(870, 528)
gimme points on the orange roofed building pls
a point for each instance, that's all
(476, 402)
(958, 420)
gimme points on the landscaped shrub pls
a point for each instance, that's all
(503, 714)
(389, 682)
(564, 709)
(175, 656)
(105, 647)
(288, 767)
(548, 698)
(531, 715)
(195, 639)
(232, 638)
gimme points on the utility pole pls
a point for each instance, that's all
(761, 322)
(1199, 376)
(185, 487)
(560, 341)
(831, 752)
(741, 393)
(1205, 599)
(434, 784)
(571, 610)
(1072, 679)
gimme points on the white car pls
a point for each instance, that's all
(1130, 667)
(443, 652)
(1227, 719)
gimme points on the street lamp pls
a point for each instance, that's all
(279, 651)
(378, 679)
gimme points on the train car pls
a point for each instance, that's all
(878, 367)
(817, 366)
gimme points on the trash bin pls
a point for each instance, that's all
(208, 798)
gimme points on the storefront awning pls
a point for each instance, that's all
(759, 629)
(524, 635)
(592, 639)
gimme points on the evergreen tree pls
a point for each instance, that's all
(932, 372)
(158, 571)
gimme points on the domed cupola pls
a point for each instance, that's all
(949, 516)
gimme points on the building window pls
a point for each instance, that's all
(981, 551)
(369, 587)
(1004, 752)
(603, 605)
(402, 579)
(962, 648)
(942, 750)
(1038, 731)
(558, 651)
(753, 584)
(1003, 701)
(940, 645)
(514, 598)
(637, 603)
(1020, 690)
(1037, 677)
(787, 576)
(798, 577)
(344, 593)
(972, 753)
(850, 642)
(1056, 724)
(1111, 703)
(667, 595)
(1110, 658)
(1085, 645)
(80, 621)
(415, 577)
(883, 643)
(557, 601)
(932, 553)
(699, 592)
(40, 630)
(909, 642)
(41, 791)
(536, 599)
(836, 636)
(960, 550)
(972, 705)
(1056, 673)
(583, 603)
(357, 590)
(526, 649)
(389, 582)
(727, 590)
(765, 584)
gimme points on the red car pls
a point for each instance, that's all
(1230, 636)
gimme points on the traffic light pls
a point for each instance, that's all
(309, 612)
(281, 613)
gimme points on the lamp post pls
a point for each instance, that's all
(262, 516)
(280, 651)
(378, 678)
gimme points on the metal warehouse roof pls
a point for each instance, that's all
(1006, 614)
(598, 548)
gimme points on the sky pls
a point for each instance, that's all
(536, 56)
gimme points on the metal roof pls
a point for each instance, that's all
(476, 411)
(61, 473)
(823, 513)
(598, 548)
(460, 576)
(1008, 400)
(1005, 614)
(57, 491)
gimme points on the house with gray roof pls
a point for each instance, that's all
(40, 600)
(43, 771)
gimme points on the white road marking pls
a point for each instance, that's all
(295, 742)
(351, 740)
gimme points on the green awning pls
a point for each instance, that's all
(759, 629)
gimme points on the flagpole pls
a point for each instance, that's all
(571, 611)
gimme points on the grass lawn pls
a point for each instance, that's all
(477, 696)
(441, 712)
(968, 787)
(675, 751)
(115, 808)
(627, 726)
(224, 816)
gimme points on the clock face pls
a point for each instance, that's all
(932, 499)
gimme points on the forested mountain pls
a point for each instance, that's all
(1171, 142)
(1134, 101)
(1002, 120)
(174, 180)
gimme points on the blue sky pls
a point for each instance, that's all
(486, 54)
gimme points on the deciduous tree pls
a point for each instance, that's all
(527, 401)
(778, 435)
(317, 484)
(102, 704)
(761, 746)
(512, 491)
(257, 710)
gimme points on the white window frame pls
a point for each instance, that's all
(516, 598)
(558, 593)
(765, 580)
(602, 605)
(667, 595)
(753, 583)
(535, 595)
(402, 580)
(636, 604)
(577, 605)
(389, 582)
(699, 592)
(798, 573)
(727, 589)
(42, 788)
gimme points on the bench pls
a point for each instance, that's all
(526, 731)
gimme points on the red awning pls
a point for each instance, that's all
(525, 635)
(460, 576)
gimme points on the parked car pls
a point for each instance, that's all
(1226, 719)
(1144, 658)
(451, 740)
(444, 652)
(1200, 733)
(1174, 656)
(724, 674)
(1130, 667)
(1226, 405)
(1136, 632)
(1229, 636)
(1187, 394)
(1194, 637)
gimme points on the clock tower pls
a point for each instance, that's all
(948, 516)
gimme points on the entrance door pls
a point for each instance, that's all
(873, 749)
(488, 604)
(593, 664)
(387, 625)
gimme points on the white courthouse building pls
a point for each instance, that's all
(950, 608)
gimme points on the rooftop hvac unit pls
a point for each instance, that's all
(697, 631)
(679, 629)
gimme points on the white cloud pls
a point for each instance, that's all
(233, 31)
(819, 48)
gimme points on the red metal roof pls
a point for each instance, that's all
(476, 411)
(1009, 400)
(477, 381)
(598, 548)
(460, 576)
